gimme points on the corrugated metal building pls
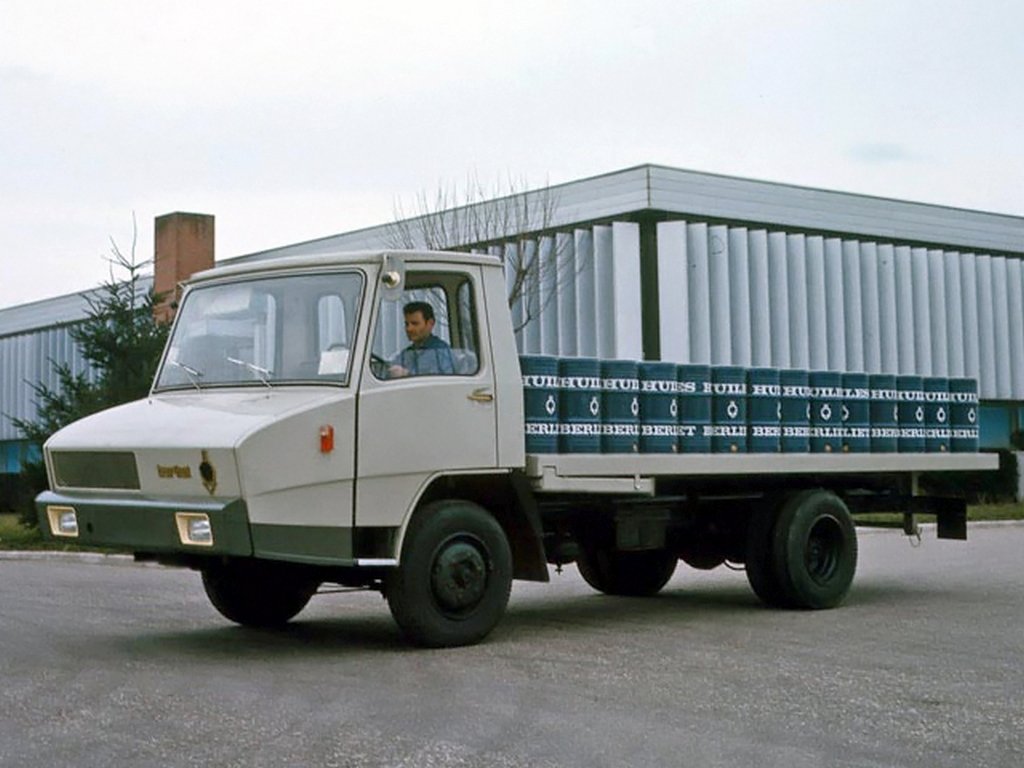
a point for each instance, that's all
(662, 263)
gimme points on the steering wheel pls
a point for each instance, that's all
(379, 366)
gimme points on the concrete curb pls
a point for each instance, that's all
(93, 558)
(98, 558)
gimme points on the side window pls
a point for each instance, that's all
(430, 331)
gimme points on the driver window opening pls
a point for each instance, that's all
(429, 331)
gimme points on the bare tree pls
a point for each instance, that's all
(510, 221)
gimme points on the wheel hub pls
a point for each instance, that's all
(459, 576)
(823, 549)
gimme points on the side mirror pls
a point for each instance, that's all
(392, 277)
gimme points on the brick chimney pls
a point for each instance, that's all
(183, 245)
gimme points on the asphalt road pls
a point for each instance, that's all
(121, 665)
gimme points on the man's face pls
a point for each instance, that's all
(417, 328)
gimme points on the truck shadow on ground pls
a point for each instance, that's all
(368, 627)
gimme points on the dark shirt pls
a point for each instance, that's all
(432, 355)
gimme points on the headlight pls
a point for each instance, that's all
(194, 528)
(63, 521)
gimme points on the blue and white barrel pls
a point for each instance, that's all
(620, 408)
(693, 394)
(856, 413)
(659, 408)
(826, 411)
(728, 409)
(540, 402)
(580, 405)
(885, 419)
(796, 411)
(764, 410)
(937, 432)
(910, 391)
(963, 405)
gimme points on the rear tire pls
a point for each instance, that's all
(762, 574)
(453, 583)
(814, 547)
(257, 594)
(630, 574)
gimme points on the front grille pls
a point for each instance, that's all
(95, 469)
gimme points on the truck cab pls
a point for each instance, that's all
(283, 444)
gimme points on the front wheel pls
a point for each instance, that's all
(453, 583)
(630, 574)
(257, 594)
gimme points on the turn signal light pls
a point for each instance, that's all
(326, 438)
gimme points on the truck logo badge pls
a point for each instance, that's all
(208, 473)
(174, 471)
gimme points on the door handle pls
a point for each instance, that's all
(481, 395)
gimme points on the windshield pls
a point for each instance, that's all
(264, 332)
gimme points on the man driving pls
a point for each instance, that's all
(427, 354)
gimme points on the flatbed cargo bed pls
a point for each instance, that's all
(635, 473)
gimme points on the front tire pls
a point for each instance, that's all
(257, 594)
(453, 583)
(626, 573)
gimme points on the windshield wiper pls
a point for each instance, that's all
(261, 373)
(192, 373)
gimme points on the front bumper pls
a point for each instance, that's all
(143, 524)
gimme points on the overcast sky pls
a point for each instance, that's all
(298, 120)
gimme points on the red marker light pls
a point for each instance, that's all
(326, 438)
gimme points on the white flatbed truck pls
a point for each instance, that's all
(279, 451)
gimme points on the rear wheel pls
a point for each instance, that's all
(762, 575)
(455, 576)
(633, 574)
(257, 594)
(814, 546)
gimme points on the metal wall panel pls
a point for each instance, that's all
(627, 306)
(778, 298)
(586, 294)
(954, 314)
(1001, 323)
(808, 301)
(986, 329)
(31, 358)
(817, 313)
(939, 320)
(905, 311)
(739, 296)
(835, 304)
(760, 299)
(870, 306)
(1015, 305)
(796, 275)
(699, 291)
(887, 309)
(583, 299)
(673, 291)
(720, 296)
